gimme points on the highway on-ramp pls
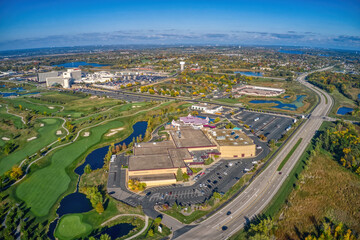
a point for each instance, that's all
(264, 187)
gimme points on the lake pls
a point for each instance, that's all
(285, 106)
(250, 73)
(344, 110)
(291, 52)
(77, 64)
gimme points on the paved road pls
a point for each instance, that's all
(261, 191)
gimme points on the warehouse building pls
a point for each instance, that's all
(156, 163)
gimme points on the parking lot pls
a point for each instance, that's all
(218, 178)
(271, 126)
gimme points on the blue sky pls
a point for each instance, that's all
(50, 23)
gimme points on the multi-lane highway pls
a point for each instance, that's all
(261, 191)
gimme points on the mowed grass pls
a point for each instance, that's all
(42, 189)
(33, 106)
(326, 190)
(16, 120)
(71, 227)
(45, 136)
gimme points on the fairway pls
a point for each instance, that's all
(46, 135)
(72, 226)
(16, 120)
(26, 104)
(42, 189)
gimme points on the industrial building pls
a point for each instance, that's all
(156, 163)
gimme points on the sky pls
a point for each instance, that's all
(59, 23)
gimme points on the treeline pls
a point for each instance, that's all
(330, 81)
(264, 228)
(343, 142)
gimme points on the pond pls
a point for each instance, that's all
(286, 96)
(77, 202)
(285, 106)
(77, 64)
(250, 73)
(116, 231)
(344, 110)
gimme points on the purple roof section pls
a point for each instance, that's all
(194, 120)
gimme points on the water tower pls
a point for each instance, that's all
(182, 66)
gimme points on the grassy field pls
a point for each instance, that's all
(41, 190)
(326, 190)
(289, 155)
(341, 101)
(45, 136)
(71, 227)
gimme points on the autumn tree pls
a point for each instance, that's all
(99, 208)
(179, 175)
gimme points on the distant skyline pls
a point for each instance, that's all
(36, 24)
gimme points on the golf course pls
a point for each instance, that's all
(72, 226)
(45, 136)
(42, 189)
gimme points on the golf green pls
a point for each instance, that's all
(71, 227)
(45, 136)
(41, 190)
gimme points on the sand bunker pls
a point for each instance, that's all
(41, 124)
(114, 131)
(86, 134)
(135, 106)
(32, 138)
(58, 132)
(51, 107)
(5, 138)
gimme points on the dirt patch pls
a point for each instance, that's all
(114, 131)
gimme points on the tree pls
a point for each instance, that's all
(123, 146)
(150, 233)
(179, 175)
(99, 208)
(217, 120)
(117, 148)
(157, 221)
(194, 113)
(185, 177)
(289, 79)
(16, 173)
(87, 169)
(106, 236)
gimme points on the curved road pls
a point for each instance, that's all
(261, 191)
